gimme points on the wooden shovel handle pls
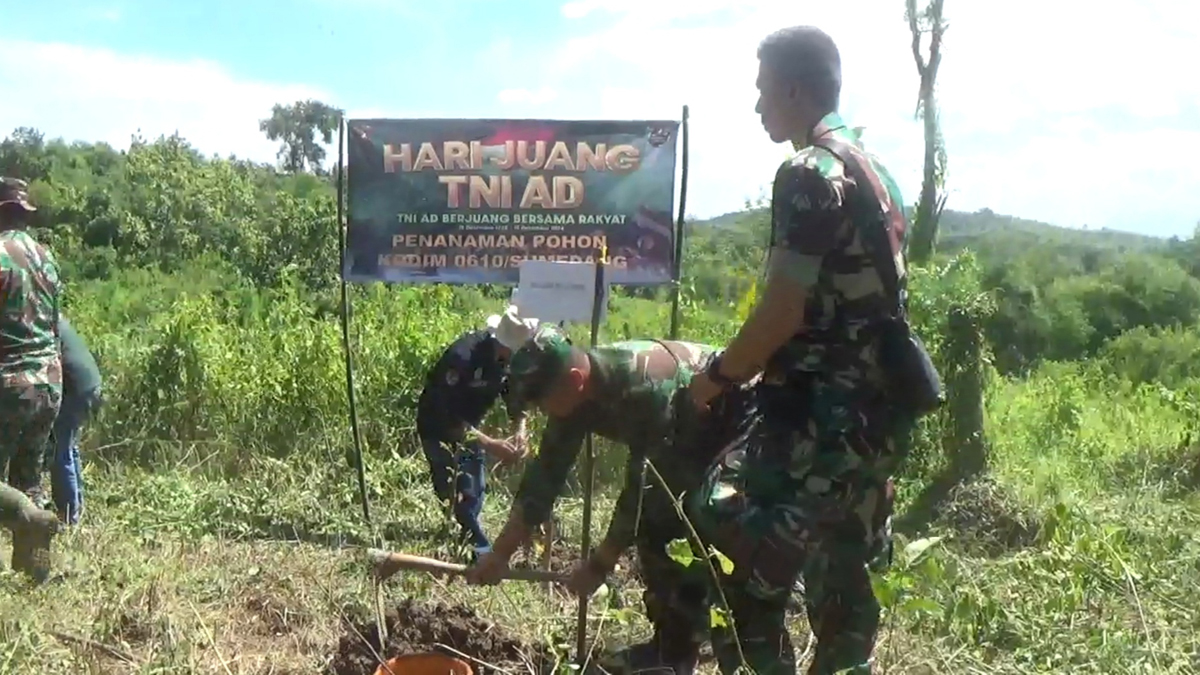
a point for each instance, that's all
(388, 563)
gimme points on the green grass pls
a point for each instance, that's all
(1050, 565)
(222, 532)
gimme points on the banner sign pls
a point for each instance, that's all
(466, 201)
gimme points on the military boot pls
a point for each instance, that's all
(32, 533)
(659, 655)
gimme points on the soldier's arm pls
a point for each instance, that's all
(623, 527)
(541, 483)
(808, 223)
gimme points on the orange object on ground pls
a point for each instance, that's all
(425, 664)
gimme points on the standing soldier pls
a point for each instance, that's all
(808, 489)
(30, 377)
(633, 393)
(81, 399)
(459, 390)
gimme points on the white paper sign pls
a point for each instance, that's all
(552, 291)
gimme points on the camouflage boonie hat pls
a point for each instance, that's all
(15, 191)
(538, 363)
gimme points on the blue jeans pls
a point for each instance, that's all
(465, 471)
(62, 453)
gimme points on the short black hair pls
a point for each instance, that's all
(807, 56)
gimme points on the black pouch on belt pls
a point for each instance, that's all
(913, 382)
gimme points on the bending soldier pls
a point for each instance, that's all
(459, 390)
(631, 393)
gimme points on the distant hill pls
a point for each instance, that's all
(960, 230)
(988, 233)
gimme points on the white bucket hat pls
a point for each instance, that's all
(510, 329)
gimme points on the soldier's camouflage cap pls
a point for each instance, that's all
(537, 364)
(15, 191)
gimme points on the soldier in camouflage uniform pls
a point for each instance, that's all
(30, 376)
(808, 490)
(632, 393)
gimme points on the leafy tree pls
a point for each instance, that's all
(1059, 294)
(297, 127)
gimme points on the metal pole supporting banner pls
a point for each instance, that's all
(599, 297)
(341, 211)
(677, 272)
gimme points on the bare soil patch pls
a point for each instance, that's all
(415, 627)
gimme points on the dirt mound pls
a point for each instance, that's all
(988, 518)
(418, 627)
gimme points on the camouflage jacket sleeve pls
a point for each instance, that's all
(546, 474)
(807, 217)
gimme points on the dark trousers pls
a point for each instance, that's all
(62, 453)
(459, 474)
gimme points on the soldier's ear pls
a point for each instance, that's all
(575, 379)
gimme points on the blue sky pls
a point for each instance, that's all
(1058, 123)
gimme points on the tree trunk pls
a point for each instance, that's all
(925, 223)
(929, 207)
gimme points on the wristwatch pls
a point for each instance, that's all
(714, 373)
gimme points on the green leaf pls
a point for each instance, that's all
(679, 551)
(920, 605)
(716, 617)
(916, 549)
(885, 592)
(722, 560)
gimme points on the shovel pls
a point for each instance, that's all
(387, 563)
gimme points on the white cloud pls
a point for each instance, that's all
(99, 95)
(1048, 111)
(1074, 117)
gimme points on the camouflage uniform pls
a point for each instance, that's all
(30, 364)
(638, 398)
(807, 493)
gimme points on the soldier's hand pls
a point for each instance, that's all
(521, 444)
(586, 578)
(702, 390)
(505, 453)
(521, 441)
(487, 571)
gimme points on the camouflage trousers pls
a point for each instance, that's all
(26, 420)
(676, 597)
(675, 600)
(805, 493)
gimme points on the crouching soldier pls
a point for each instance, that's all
(633, 393)
(459, 390)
